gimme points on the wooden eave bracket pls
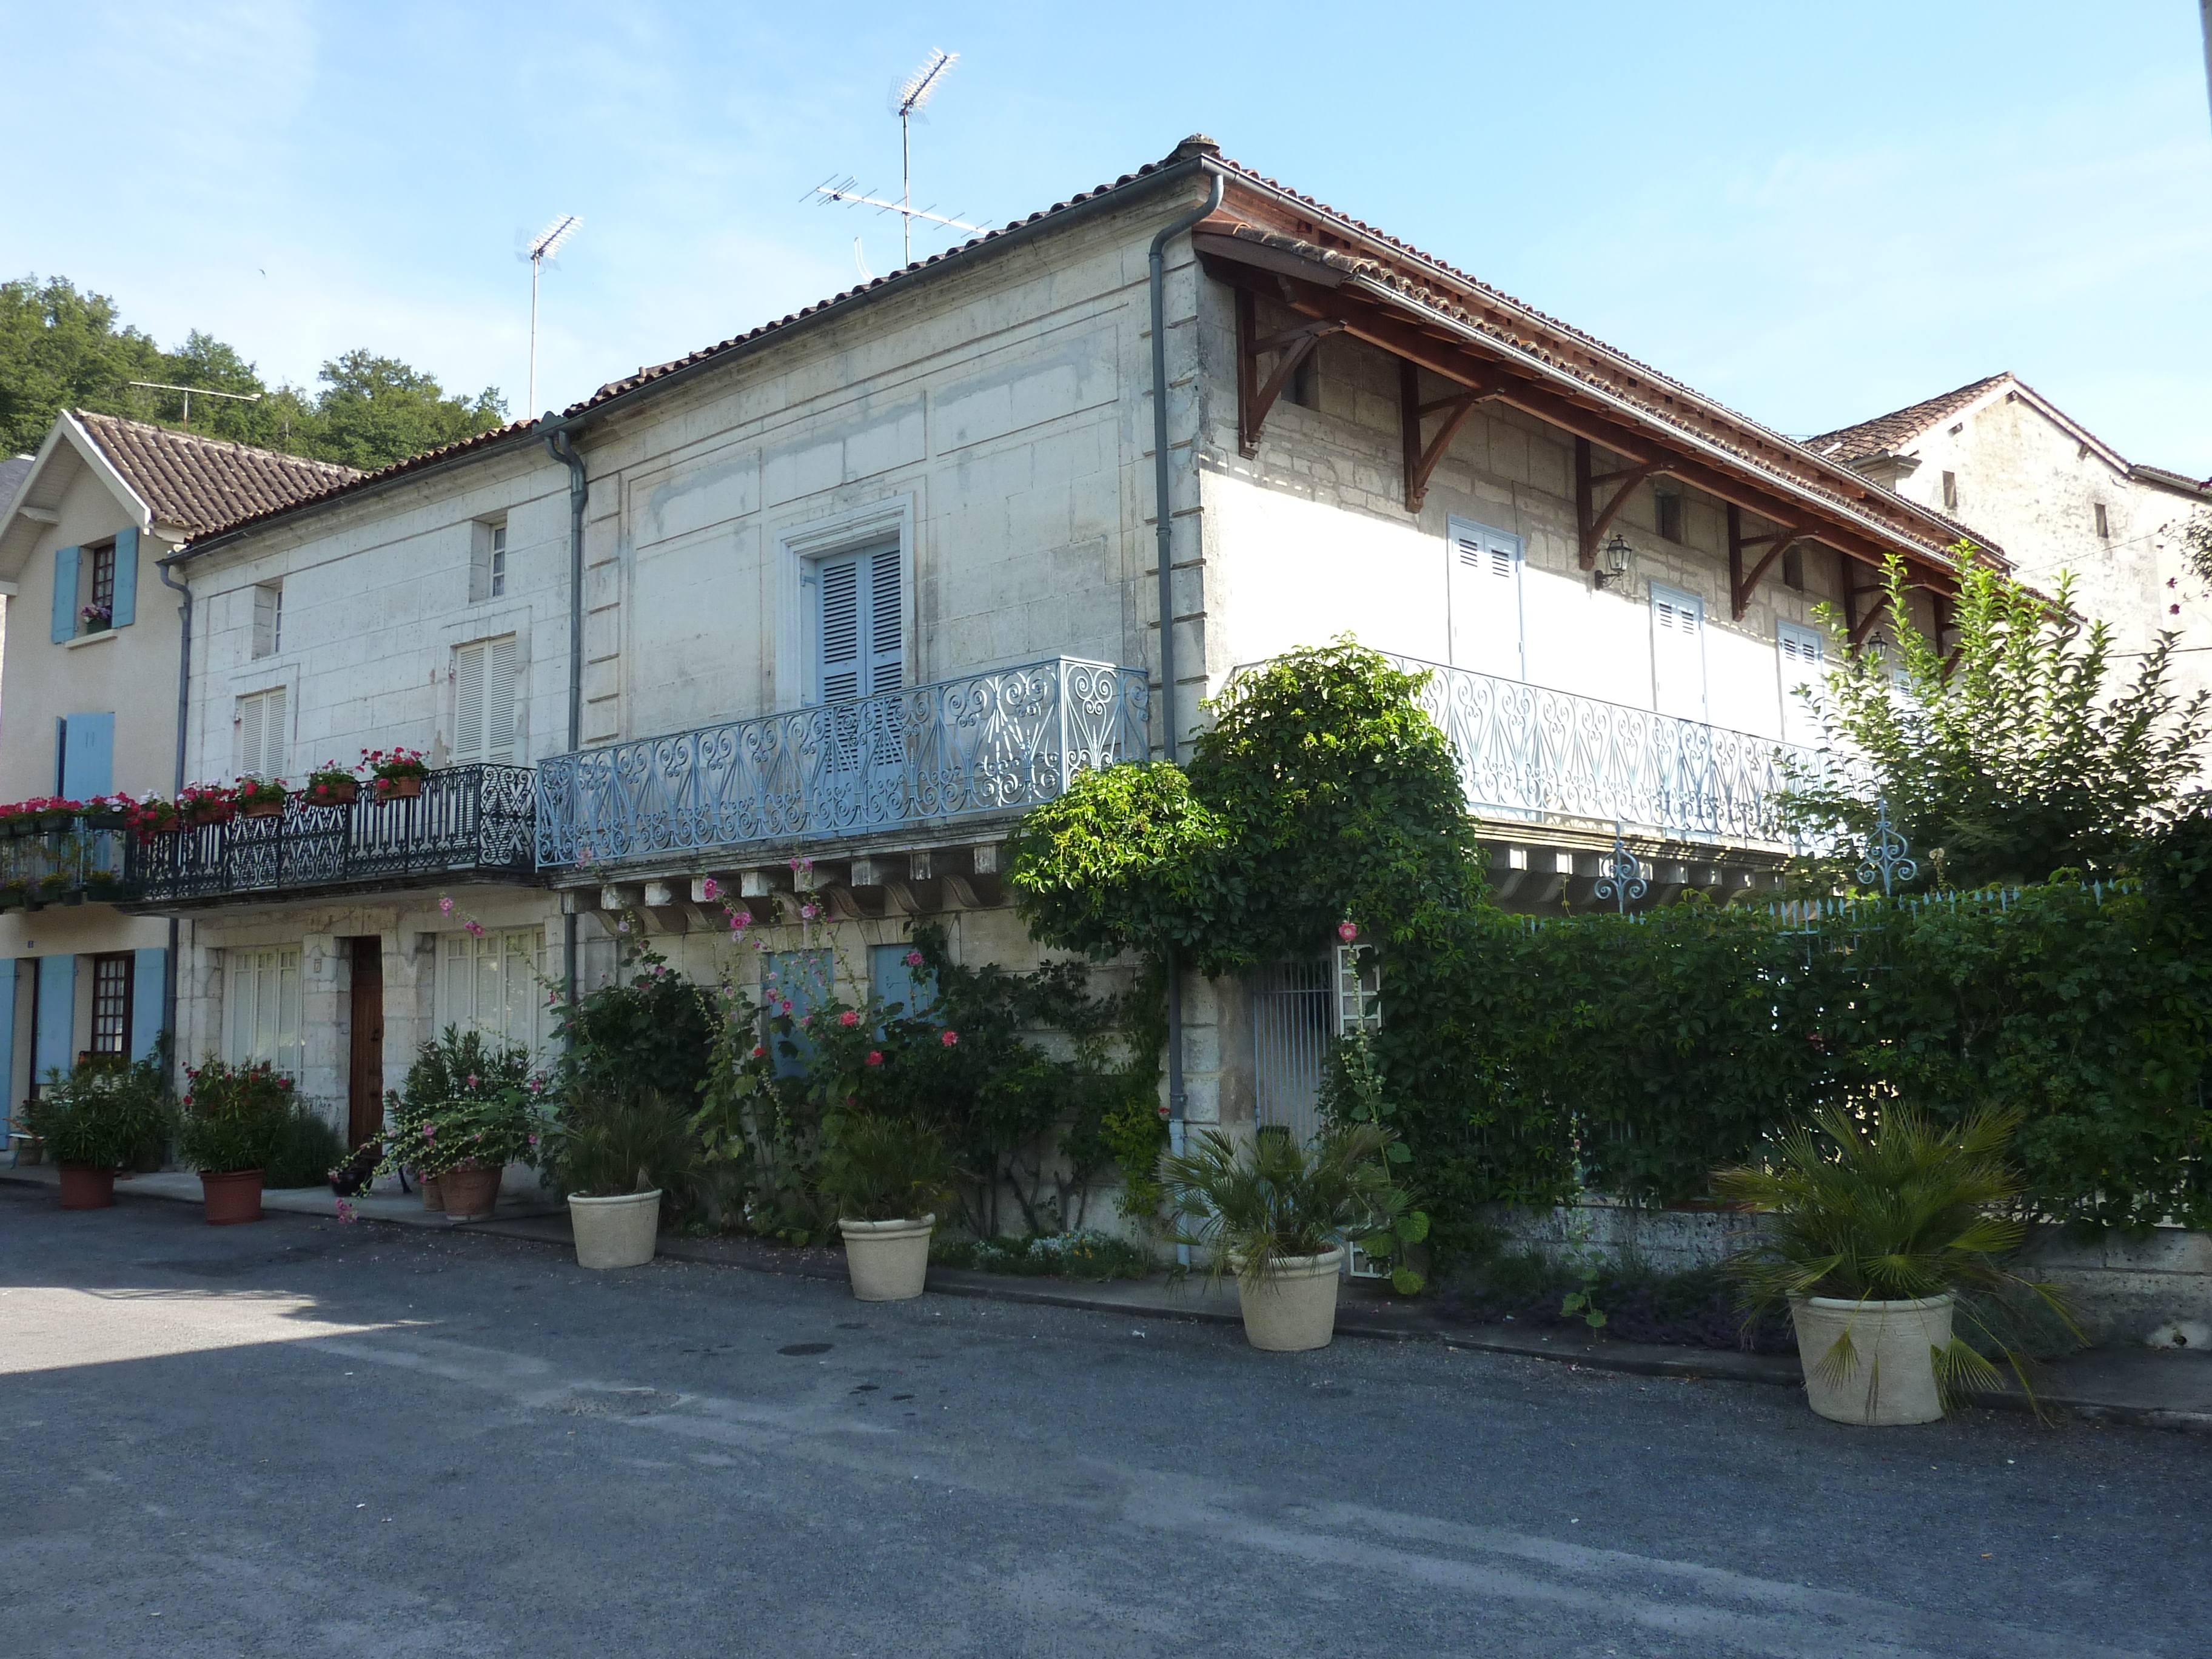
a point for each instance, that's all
(1421, 458)
(1743, 585)
(1256, 398)
(1591, 521)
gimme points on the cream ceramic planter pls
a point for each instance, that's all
(615, 1232)
(1293, 1307)
(889, 1261)
(1888, 1375)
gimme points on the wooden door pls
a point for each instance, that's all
(365, 1077)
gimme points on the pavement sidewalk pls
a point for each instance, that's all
(2149, 1388)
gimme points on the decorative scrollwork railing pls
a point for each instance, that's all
(469, 822)
(985, 744)
(1527, 752)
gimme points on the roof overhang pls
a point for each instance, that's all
(1505, 352)
(67, 445)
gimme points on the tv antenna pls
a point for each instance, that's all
(907, 101)
(200, 391)
(546, 244)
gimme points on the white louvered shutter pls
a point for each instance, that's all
(261, 735)
(842, 669)
(468, 703)
(499, 700)
(1803, 654)
(1485, 600)
(1678, 653)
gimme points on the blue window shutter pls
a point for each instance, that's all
(66, 560)
(911, 990)
(52, 1049)
(8, 1041)
(88, 756)
(149, 975)
(125, 608)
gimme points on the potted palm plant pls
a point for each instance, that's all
(100, 1118)
(1873, 1230)
(232, 1120)
(886, 1174)
(616, 1153)
(1277, 1214)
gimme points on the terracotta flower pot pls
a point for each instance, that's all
(87, 1187)
(231, 1198)
(1887, 1373)
(1293, 1307)
(266, 808)
(207, 815)
(887, 1261)
(342, 793)
(615, 1232)
(434, 1197)
(470, 1192)
(399, 788)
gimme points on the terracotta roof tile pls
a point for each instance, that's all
(197, 483)
(1900, 426)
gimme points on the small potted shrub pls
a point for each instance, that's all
(232, 1118)
(1277, 1214)
(464, 1114)
(260, 798)
(14, 894)
(1872, 1232)
(615, 1154)
(399, 772)
(332, 785)
(887, 1174)
(53, 888)
(99, 1119)
(96, 619)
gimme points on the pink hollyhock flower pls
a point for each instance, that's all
(710, 887)
(875, 1056)
(475, 929)
(346, 1212)
(445, 905)
(949, 1038)
(621, 927)
(1347, 931)
(472, 1079)
(914, 958)
(809, 911)
(783, 1007)
(429, 1132)
(848, 1019)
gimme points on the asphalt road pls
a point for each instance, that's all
(300, 1437)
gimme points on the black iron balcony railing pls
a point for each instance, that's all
(470, 823)
(72, 864)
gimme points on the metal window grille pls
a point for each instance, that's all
(1293, 1022)
(110, 1003)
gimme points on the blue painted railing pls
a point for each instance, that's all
(1552, 757)
(983, 745)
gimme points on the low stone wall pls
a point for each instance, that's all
(2125, 1290)
(2155, 1289)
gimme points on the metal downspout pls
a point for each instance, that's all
(169, 974)
(563, 448)
(1163, 513)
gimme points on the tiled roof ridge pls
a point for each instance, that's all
(193, 481)
(1868, 437)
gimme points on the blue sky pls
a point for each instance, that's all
(1814, 213)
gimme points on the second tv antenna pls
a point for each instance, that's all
(917, 90)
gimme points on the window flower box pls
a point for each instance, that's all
(332, 785)
(96, 619)
(207, 803)
(260, 798)
(399, 772)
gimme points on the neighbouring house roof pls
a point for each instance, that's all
(13, 471)
(197, 483)
(2165, 478)
(1885, 433)
(1259, 212)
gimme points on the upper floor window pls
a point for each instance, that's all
(102, 603)
(2104, 524)
(1793, 567)
(95, 587)
(268, 619)
(1671, 506)
(261, 734)
(488, 560)
(859, 624)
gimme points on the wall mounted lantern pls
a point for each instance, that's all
(1614, 565)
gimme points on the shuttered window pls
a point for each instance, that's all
(261, 1007)
(1678, 653)
(268, 619)
(1803, 657)
(1483, 593)
(489, 983)
(861, 625)
(261, 733)
(483, 700)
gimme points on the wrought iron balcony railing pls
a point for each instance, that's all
(1552, 757)
(469, 822)
(71, 865)
(987, 744)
